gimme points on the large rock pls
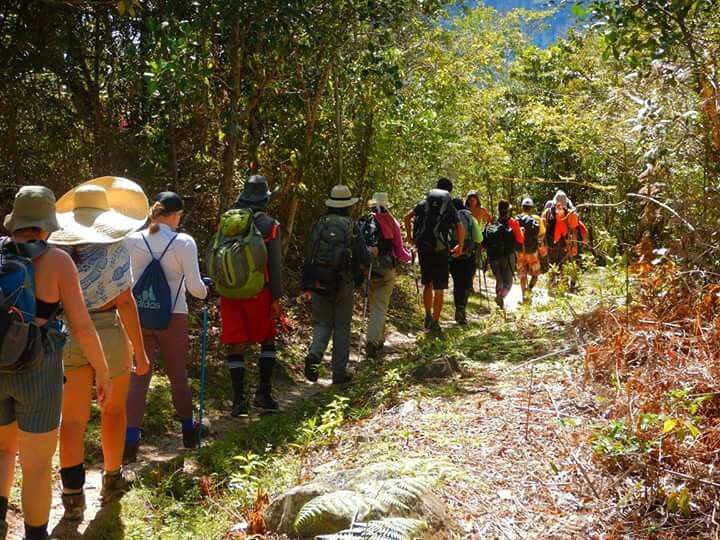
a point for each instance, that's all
(280, 515)
(393, 489)
(442, 368)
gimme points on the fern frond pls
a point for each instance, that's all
(398, 494)
(384, 529)
(332, 512)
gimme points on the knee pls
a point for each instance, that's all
(114, 411)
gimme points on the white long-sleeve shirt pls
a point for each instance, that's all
(180, 260)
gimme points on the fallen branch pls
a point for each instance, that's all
(585, 475)
(688, 477)
(539, 358)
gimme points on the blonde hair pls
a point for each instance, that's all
(157, 210)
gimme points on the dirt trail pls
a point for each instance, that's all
(170, 446)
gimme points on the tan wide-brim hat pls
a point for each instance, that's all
(33, 208)
(101, 211)
(341, 197)
(380, 198)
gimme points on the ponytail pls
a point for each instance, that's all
(156, 210)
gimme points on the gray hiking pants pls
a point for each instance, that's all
(332, 316)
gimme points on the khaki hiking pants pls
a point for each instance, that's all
(381, 288)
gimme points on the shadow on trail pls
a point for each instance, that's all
(106, 525)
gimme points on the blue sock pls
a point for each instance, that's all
(132, 435)
(188, 424)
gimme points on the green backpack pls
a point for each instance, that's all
(238, 256)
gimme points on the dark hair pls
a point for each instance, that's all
(458, 203)
(445, 183)
(503, 208)
(472, 196)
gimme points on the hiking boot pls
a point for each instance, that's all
(428, 320)
(460, 315)
(500, 302)
(3, 530)
(191, 436)
(372, 350)
(114, 486)
(74, 504)
(343, 378)
(435, 329)
(265, 401)
(312, 373)
(130, 452)
(239, 408)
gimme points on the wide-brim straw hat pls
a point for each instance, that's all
(341, 197)
(380, 198)
(33, 208)
(101, 211)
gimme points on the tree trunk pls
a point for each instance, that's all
(232, 132)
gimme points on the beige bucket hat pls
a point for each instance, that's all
(101, 211)
(380, 198)
(341, 197)
(34, 207)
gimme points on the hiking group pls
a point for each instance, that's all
(93, 290)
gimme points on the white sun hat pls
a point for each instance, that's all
(101, 211)
(341, 197)
(380, 198)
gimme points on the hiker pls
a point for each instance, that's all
(500, 240)
(427, 227)
(31, 386)
(480, 213)
(163, 260)
(528, 258)
(249, 284)
(382, 231)
(95, 218)
(335, 257)
(462, 267)
(483, 217)
(560, 219)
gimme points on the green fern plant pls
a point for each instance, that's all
(397, 494)
(333, 512)
(384, 529)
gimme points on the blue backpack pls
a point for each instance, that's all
(152, 293)
(21, 339)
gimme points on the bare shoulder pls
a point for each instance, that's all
(59, 261)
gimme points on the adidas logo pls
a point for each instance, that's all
(148, 300)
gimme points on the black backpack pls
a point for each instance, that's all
(372, 234)
(328, 254)
(531, 224)
(427, 227)
(499, 240)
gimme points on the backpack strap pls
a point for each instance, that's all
(177, 294)
(164, 250)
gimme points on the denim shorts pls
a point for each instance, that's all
(34, 398)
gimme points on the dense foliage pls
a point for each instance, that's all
(387, 94)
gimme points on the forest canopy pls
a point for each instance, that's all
(382, 94)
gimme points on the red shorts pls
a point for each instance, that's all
(247, 320)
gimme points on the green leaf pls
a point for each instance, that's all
(669, 425)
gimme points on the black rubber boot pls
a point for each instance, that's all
(264, 399)
(239, 408)
(74, 504)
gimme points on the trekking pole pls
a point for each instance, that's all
(367, 291)
(203, 364)
(415, 278)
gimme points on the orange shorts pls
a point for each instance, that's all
(528, 264)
